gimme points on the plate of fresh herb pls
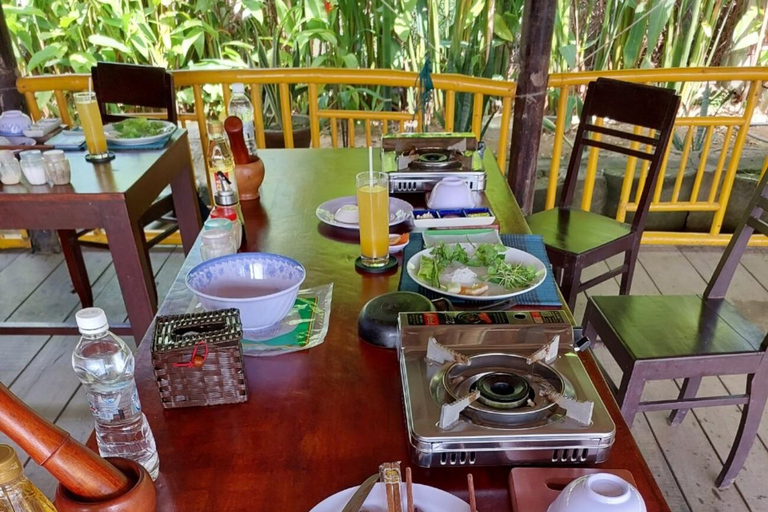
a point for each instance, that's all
(476, 271)
(138, 131)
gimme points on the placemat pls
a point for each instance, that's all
(544, 295)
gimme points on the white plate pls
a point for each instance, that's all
(399, 211)
(427, 499)
(510, 256)
(112, 135)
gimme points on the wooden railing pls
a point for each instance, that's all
(448, 86)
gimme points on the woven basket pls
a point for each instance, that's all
(198, 359)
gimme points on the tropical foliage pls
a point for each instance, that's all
(474, 37)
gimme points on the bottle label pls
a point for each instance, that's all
(118, 405)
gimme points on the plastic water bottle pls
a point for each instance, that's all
(104, 364)
(240, 106)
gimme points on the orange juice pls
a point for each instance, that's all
(373, 206)
(90, 119)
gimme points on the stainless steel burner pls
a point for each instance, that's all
(436, 161)
(524, 408)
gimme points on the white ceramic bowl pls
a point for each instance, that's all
(599, 492)
(262, 286)
(14, 122)
(451, 193)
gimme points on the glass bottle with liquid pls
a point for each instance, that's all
(220, 159)
(17, 493)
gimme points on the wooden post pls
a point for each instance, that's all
(10, 98)
(530, 97)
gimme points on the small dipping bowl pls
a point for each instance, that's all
(262, 286)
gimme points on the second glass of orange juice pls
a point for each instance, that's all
(90, 119)
(373, 207)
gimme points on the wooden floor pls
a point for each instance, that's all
(685, 459)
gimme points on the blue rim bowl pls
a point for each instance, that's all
(262, 310)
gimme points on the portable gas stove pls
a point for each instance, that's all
(417, 161)
(497, 388)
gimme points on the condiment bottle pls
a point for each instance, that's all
(57, 167)
(215, 243)
(220, 158)
(33, 166)
(17, 493)
(228, 207)
(10, 170)
(249, 168)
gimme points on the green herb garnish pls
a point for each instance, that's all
(138, 127)
(508, 275)
(512, 276)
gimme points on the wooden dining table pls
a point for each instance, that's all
(320, 420)
(114, 196)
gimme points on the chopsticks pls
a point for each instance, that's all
(409, 489)
(471, 488)
(390, 475)
(41, 147)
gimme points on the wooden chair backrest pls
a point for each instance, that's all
(628, 103)
(751, 221)
(130, 84)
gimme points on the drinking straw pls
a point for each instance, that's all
(370, 163)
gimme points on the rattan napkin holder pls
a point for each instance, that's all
(198, 359)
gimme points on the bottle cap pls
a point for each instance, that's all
(10, 467)
(226, 197)
(31, 155)
(237, 88)
(217, 223)
(91, 319)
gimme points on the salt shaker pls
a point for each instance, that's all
(33, 166)
(215, 243)
(57, 167)
(10, 170)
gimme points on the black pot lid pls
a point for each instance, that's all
(377, 323)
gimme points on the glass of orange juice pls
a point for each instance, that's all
(373, 207)
(90, 119)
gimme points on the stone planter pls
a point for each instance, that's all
(744, 186)
(302, 135)
(656, 221)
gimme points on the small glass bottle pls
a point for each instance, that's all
(240, 106)
(17, 493)
(228, 207)
(220, 159)
(10, 170)
(33, 166)
(57, 167)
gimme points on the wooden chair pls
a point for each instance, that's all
(690, 337)
(124, 84)
(575, 238)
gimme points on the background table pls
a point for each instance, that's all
(321, 420)
(113, 196)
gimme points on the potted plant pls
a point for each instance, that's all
(274, 135)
